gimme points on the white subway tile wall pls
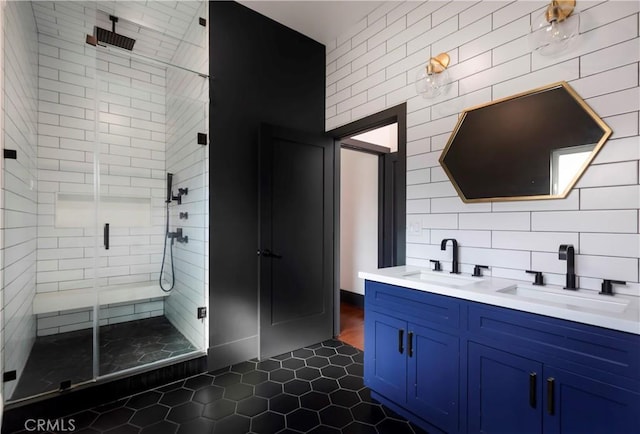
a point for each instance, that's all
(19, 185)
(374, 67)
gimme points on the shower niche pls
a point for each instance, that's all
(94, 285)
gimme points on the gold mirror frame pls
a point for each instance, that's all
(561, 195)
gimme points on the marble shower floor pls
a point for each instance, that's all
(68, 356)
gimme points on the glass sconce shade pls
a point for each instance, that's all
(432, 78)
(554, 30)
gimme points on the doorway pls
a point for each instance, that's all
(370, 214)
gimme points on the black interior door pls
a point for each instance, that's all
(296, 239)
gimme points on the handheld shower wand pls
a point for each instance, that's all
(166, 236)
(169, 186)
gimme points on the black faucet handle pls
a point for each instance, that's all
(538, 279)
(436, 265)
(477, 270)
(607, 287)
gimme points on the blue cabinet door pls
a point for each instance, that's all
(504, 392)
(385, 360)
(434, 376)
(577, 404)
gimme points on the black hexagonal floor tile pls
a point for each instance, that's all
(281, 375)
(351, 382)
(302, 419)
(324, 429)
(326, 385)
(227, 379)
(368, 413)
(268, 389)
(243, 367)
(335, 416)
(394, 426)
(113, 418)
(359, 428)
(333, 371)
(293, 363)
(344, 398)
(123, 429)
(303, 353)
(326, 352)
(149, 415)
(185, 412)
(314, 400)
(268, 365)
(333, 343)
(297, 387)
(239, 391)
(317, 361)
(232, 424)
(282, 356)
(283, 403)
(219, 409)
(347, 350)
(199, 425)
(176, 397)
(208, 394)
(198, 382)
(143, 400)
(340, 360)
(307, 373)
(162, 427)
(255, 377)
(267, 423)
(355, 369)
(252, 406)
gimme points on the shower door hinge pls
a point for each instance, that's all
(11, 154)
(202, 312)
(202, 21)
(202, 139)
(9, 376)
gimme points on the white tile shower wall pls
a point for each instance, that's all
(20, 94)
(374, 67)
(3, 4)
(131, 122)
(187, 115)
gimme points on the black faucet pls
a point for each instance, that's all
(567, 253)
(454, 263)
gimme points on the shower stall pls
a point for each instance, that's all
(104, 262)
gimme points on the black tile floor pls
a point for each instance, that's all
(316, 390)
(68, 356)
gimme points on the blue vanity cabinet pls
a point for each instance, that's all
(577, 404)
(504, 392)
(412, 357)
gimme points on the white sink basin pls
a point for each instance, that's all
(443, 278)
(567, 298)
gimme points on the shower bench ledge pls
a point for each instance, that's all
(48, 302)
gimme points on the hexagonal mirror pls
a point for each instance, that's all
(534, 145)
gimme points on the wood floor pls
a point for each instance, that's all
(352, 325)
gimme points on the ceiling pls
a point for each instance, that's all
(323, 21)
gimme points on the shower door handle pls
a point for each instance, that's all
(106, 236)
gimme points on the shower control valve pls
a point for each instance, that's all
(181, 192)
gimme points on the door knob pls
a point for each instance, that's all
(266, 253)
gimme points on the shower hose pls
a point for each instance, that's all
(164, 254)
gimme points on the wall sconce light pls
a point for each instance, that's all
(431, 79)
(554, 30)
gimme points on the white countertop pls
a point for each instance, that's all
(618, 312)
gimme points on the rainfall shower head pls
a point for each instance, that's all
(111, 37)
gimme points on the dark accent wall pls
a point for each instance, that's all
(261, 71)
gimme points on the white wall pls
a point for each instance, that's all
(358, 217)
(373, 67)
(19, 186)
(3, 4)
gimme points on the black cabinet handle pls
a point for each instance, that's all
(550, 394)
(106, 236)
(400, 341)
(532, 389)
(410, 344)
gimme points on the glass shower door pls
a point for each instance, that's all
(148, 133)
